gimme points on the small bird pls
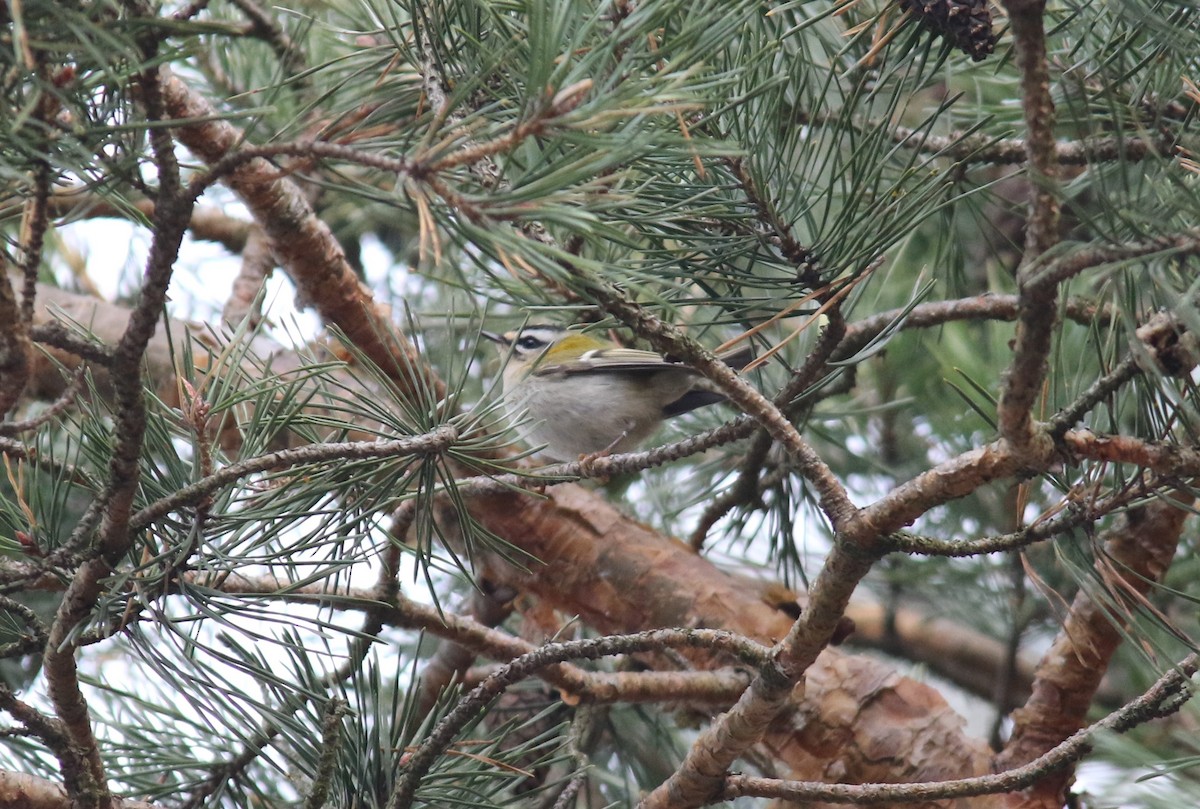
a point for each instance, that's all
(587, 397)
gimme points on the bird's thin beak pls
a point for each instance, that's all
(498, 339)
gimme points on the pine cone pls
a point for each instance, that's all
(966, 23)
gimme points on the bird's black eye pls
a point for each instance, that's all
(528, 341)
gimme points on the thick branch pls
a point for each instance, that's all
(1136, 553)
(618, 576)
(115, 502)
(1162, 699)
(304, 245)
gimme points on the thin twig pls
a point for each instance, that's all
(1022, 382)
(26, 643)
(331, 738)
(1077, 514)
(748, 485)
(718, 687)
(56, 408)
(56, 335)
(834, 500)
(1185, 243)
(590, 649)
(1144, 542)
(800, 256)
(979, 148)
(262, 26)
(581, 730)
(115, 503)
(53, 734)
(35, 219)
(1163, 698)
(1097, 392)
(428, 444)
